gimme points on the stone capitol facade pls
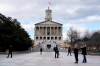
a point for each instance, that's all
(48, 32)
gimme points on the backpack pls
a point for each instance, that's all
(54, 49)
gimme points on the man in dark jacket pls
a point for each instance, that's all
(41, 49)
(56, 52)
(69, 51)
(84, 53)
(76, 53)
(10, 51)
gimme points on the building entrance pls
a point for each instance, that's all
(48, 46)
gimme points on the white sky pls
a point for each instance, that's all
(81, 14)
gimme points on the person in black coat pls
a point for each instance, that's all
(76, 53)
(56, 51)
(84, 53)
(69, 51)
(10, 51)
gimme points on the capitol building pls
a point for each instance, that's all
(48, 32)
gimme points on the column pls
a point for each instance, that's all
(61, 31)
(57, 31)
(38, 33)
(42, 30)
(54, 30)
(46, 33)
(50, 30)
(50, 33)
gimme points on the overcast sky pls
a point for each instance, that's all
(81, 14)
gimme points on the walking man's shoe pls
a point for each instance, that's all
(76, 62)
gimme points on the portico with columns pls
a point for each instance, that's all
(48, 32)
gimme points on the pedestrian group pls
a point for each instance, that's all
(56, 50)
(75, 51)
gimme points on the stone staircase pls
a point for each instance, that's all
(49, 50)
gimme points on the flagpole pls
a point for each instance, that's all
(49, 3)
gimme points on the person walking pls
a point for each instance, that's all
(76, 53)
(10, 51)
(56, 52)
(84, 53)
(40, 47)
(69, 51)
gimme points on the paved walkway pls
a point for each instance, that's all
(46, 59)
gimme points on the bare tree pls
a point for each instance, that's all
(95, 39)
(86, 37)
(73, 35)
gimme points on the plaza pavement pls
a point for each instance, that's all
(46, 59)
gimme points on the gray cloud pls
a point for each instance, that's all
(68, 9)
(70, 12)
(85, 12)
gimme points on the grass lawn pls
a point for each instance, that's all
(94, 53)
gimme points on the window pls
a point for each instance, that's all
(51, 38)
(36, 38)
(40, 38)
(48, 38)
(44, 37)
(59, 38)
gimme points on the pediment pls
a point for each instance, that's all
(48, 23)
